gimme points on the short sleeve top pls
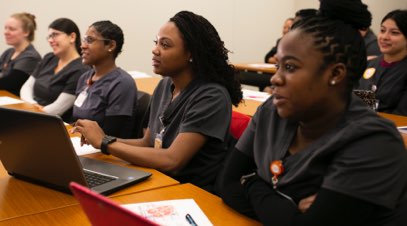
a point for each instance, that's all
(112, 95)
(26, 61)
(49, 85)
(202, 107)
(363, 156)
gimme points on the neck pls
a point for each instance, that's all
(104, 68)
(390, 58)
(181, 82)
(67, 57)
(21, 47)
(309, 131)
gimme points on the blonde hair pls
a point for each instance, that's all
(28, 22)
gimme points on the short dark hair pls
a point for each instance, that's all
(68, 26)
(111, 31)
(210, 57)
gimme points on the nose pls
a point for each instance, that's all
(155, 50)
(276, 79)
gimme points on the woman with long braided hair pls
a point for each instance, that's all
(190, 110)
(314, 154)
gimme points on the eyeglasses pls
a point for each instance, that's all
(53, 35)
(90, 39)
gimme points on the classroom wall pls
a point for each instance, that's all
(248, 28)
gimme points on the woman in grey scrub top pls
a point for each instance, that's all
(53, 83)
(314, 153)
(18, 62)
(190, 110)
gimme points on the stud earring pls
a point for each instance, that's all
(190, 60)
(333, 82)
(110, 50)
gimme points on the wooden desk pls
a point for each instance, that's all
(214, 208)
(19, 198)
(257, 67)
(147, 84)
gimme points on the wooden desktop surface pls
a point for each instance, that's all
(213, 207)
(256, 67)
(18, 198)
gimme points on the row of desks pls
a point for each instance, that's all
(23, 203)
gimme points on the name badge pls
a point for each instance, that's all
(158, 141)
(81, 98)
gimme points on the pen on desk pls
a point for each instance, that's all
(190, 220)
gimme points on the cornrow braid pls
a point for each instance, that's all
(339, 42)
(210, 57)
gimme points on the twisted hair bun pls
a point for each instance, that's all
(352, 12)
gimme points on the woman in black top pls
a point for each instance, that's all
(314, 154)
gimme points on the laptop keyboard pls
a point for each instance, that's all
(94, 179)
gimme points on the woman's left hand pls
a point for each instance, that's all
(305, 203)
(91, 132)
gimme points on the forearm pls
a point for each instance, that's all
(26, 92)
(61, 104)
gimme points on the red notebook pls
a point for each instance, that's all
(102, 211)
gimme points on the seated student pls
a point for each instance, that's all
(106, 94)
(314, 154)
(300, 14)
(190, 110)
(52, 85)
(370, 39)
(19, 61)
(270, 58)
(387, 74)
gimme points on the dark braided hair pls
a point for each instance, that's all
(335, 32)
(110, 31)
(68, 27)
(209, 55)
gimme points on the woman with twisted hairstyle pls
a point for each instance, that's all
(314, 154)
(190, 110)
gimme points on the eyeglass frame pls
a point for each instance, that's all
(53, 35)
(90, 39)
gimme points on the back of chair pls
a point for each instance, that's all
(238, 124)
(143, 101)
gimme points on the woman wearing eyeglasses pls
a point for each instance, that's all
(106, 94)
(19, 61)
(52, 85)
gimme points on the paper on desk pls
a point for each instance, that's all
(263, 65)
(170, 212)
(255, 95)
(138, 74)
(402, 129)
(9, 100)
(82, 150)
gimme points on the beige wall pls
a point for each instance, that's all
(248, 28)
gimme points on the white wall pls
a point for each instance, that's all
(378, 8)
(248, 28)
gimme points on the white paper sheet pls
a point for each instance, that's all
(255, 95)
(138, 74)
(9, 100)
(171, 212)
(82, 150)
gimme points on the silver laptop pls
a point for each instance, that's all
(36, 147)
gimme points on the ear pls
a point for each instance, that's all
(338, 74)
(111, 46)
(72, 37)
